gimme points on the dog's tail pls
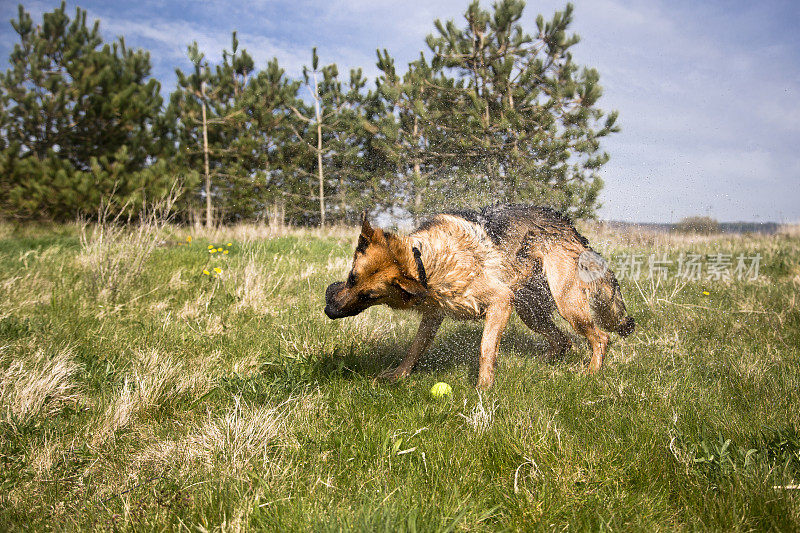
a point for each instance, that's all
(608, 307)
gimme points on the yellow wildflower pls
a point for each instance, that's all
(225, 252)
(228, 244)
(206, 272)
(210, 246)
(706, 293)
(189, 238)
(218, 270)
(213, 251)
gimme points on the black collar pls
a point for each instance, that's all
(423, 277)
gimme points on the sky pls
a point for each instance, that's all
(708, 93)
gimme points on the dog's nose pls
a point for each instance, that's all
(332, 290)
(331, 308)
(332, 313)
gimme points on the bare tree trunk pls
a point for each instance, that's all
(205, 157)
(319, 153)
(277, 214)
(321, 180)
(342, 202)
(516, 135)
(417, 177)
(418, 195)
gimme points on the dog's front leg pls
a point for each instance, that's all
(497, 316)
(427, 330)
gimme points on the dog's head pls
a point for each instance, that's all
(383, 272)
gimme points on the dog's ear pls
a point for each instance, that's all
(369, 234)
(411, 287)
(366, 234)
(366, 228)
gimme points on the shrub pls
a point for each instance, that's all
(697, 224)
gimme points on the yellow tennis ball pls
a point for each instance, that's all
(441, 389)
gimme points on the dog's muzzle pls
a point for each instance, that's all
(332, 309)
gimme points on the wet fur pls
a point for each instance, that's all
(483, 264)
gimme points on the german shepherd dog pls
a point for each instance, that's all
(483, 264)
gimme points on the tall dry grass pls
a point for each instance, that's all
(113, 253)
(247, 233)
(36, 385)
(239, 437)
(155, 380)
(255, 285)
(789, 230)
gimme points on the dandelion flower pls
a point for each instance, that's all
(706, 293)
(225, 252)
(189, 238)
(213, 251)
(210, 246)
(219, 249)
(228, 244)
(218, 270)
(206, 272)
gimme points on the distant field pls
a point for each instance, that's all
(139, 393)
(761, 228)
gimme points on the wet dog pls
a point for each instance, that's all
(484, 264)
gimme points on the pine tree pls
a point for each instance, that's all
(334, 129)
(406, 135)
(500, 115)
(490, 114)
(354, 178)
(266, 104)
(311, 120)
(203, 108)
(226, 123)
(77, 118)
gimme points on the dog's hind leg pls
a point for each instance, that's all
(535, 307)
(539, 320)
(425, 334)
(497, 316)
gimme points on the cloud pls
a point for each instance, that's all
(169, 39)
(708, 117)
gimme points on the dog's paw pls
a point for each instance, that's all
(593, 368)
(390, 375)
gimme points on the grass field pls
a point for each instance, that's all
(139, 393)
